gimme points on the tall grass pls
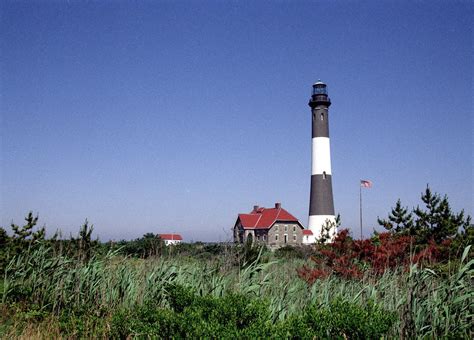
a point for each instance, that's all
(428, 304)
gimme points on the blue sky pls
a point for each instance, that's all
(175, 116)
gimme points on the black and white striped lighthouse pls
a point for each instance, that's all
(321, 202)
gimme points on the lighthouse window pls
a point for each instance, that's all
(322, 116)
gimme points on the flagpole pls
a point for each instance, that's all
(360, 207)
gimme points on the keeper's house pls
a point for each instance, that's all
(274, 227)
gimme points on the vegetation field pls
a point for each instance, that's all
(397, 284)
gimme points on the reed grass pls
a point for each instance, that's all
(428, 304)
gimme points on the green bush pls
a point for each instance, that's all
(191, 316)
(349, 320)
(82, 325)
(294, 252)
(342, 320)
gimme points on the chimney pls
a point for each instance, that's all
(277, 205)
(255, 207)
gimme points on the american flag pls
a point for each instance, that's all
(365, 183)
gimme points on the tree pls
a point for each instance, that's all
(4, 243)
(3, 238)
(438, 222)
(399, 220)
(329, 230)
(146, 246)
(151, 245)
(464, 238)
(25, 236)
(435, 222)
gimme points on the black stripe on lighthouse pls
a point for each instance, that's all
(320, 122)
(321, 200)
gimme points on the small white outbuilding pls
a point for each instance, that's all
(171, 239)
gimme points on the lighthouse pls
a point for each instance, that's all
(321, 202)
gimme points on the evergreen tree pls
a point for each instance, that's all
(3, 238)
(399, 220)
(464, 238)
(25, 236)
(4, 243)
(437, 221)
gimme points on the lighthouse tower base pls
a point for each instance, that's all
(323, 227)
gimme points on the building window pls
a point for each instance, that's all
(286, 238)
(276, 237)
(307, 237)
(294, 238)
(286, 228)
(264, 237)
(276, 227)
(294, 229)
(324, 174)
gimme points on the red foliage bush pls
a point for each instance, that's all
(433, 253)
(335, 258)
(348, 258)
(384, 251)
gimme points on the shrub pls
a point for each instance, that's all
(293, 252)
(350, 259)
(341, 319)
(349, 320)
(235, 315)
(193, 316)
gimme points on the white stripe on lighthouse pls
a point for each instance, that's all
(316, 223)
(321, 156)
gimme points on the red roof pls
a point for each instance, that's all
(307, 232)
(264, 218)
(171, 237)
